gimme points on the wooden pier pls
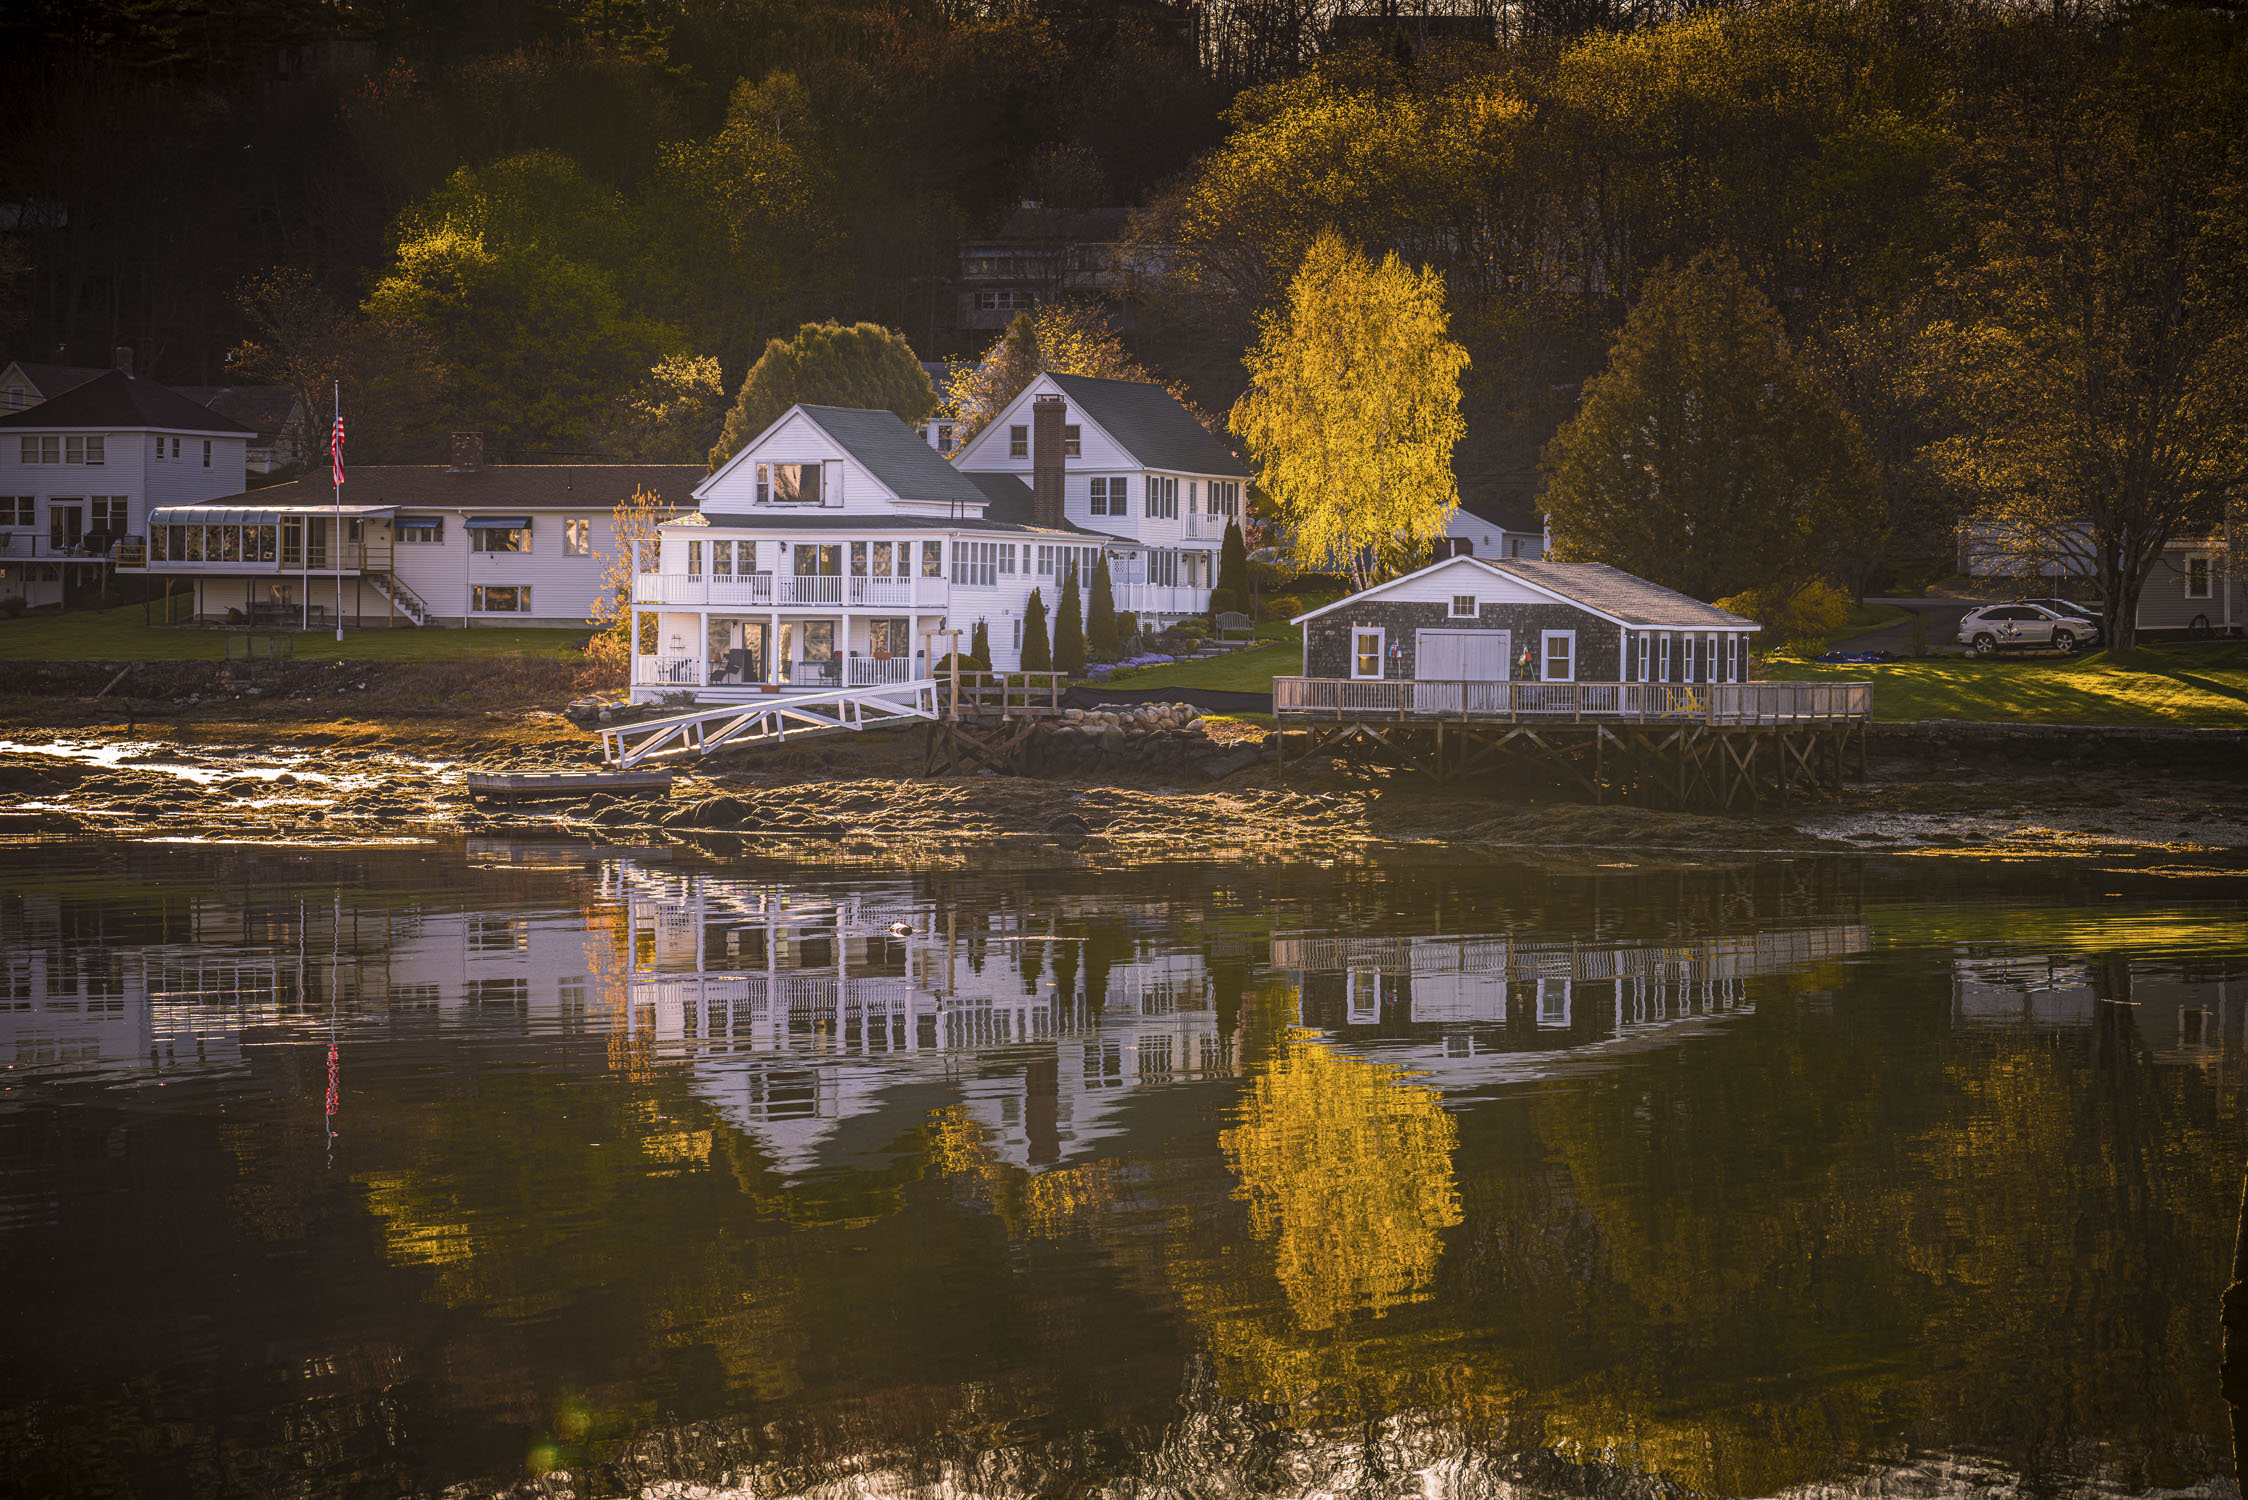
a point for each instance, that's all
(1711, 745)
(986, 718)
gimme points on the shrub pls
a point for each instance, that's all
(13, 606)
(1069, 629)
(1282, 607)
(1221, 600)
(1801, 617)
(1038, 651)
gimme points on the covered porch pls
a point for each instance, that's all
(723, 655)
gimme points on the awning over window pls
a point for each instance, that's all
(258, 515)
(498, 523)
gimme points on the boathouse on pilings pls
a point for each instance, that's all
(1577, 672)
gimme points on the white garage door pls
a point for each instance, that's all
(1460, 655)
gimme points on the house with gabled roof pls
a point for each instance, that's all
(80, 472)
(833, 548)
(1475, 619)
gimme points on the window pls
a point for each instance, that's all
(1366, 654)
(1225, 498)
(83, 450)
(1100, 494)
(792, 484)
(976, 564)
(501, 599)
(721, 559)
(111, 515)
(932, 559)
(888, 638)
(420, 530)
(2197, 578)
(694, 559)
(17, 510)
(42, 450)
(206, 453)
(1073, 445)
(1560, 655)
(1002, 301)
(499, 538)
(1463, 606)
(1018, 442)
(175, 447)
(1162, 499)
(577, 536)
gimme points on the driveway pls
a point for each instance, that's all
(1943, 617)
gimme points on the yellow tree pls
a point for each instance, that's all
(1353, 408)
(635, 519)
(1061, 337)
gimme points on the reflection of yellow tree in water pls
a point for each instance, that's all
(1347, 1170)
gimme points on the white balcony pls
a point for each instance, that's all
(788, 590)
(1201, 526)
(1160, 599)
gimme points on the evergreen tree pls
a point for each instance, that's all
(1100, 616)
(1233, 567)
(979, 646)
(1709, 458)
(1038, 656)
(1069, 629)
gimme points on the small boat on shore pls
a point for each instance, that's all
(566, 783)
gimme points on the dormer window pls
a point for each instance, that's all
(788, 484)
(1018, 442)
(1073, 445)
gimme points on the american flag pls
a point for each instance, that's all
(335, 448)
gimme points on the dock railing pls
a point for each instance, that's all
(1728, 703)
(1006, 694)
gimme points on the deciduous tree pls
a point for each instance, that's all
(827, 364)
(634, 520)
(1353, 408)
(1709, 457)
(1061, 338)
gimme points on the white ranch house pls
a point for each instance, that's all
(833, 549)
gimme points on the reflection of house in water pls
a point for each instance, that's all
(824, 1028)
(224, 971)
(1482, 1006)
(2182, 1015)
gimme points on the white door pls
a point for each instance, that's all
(1446, 656)
(1460, 655)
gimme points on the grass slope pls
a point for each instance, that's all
(1246, 671)
(2178, 685)
(118, 635)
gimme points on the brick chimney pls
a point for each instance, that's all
(125, 358)
(468, 452)
(1046, 414)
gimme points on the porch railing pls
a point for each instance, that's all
(1732, 703)
(874, 671)
(666, 669)
(765, 590)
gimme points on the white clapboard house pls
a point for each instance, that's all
(81, 470)
(459, 544)
(830, 551)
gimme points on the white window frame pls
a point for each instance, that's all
(2208, 575)
(1018, 441)
(1458, 613)
(1663, 654)
(577, 536)
(1546, 638)
(478, 594)
(1381, 652)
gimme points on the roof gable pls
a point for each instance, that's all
(1149, 423)
(115, 400)
(897, 456)
(1614, 595)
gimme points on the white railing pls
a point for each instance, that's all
(1161, 599)
(811, 588)
(1708, 702)
(1201, 526)
(764, 590)
(873, 671)
(667, 670)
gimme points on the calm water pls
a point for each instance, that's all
(424, 1171)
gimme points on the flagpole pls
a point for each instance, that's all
(337, 540)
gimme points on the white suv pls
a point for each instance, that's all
(2025, 627)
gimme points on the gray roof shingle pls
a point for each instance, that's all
(894, 454)
(1150, 424)
(496, 487)
(51, 381)
(115, 399)
(1623, 596)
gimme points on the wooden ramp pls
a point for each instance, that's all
(768, 721)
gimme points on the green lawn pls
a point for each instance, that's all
(2184, 685)
(118, 635)
(1245, 671)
